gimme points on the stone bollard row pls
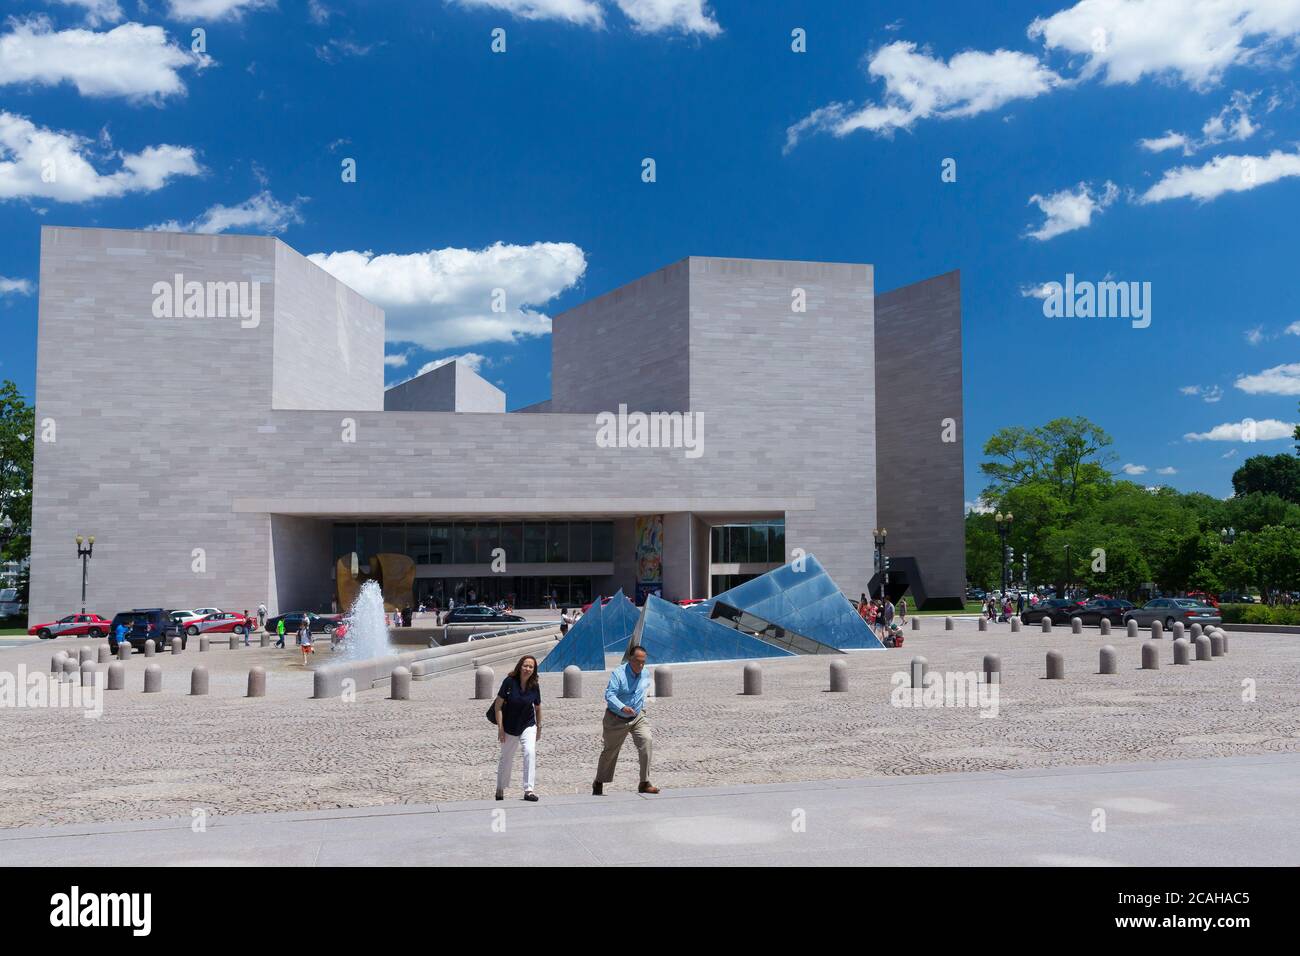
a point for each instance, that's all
(1216, 645)
(1203, 649)
(56, 662)
(984, 624)
(839, 677)
(916, 623)
(199, 681)
(234, 641)
(1179, 631)
(257, 681)
(116, 676)
(1182, 651)
(992, 669)
(266, 639)
(1076, 625)
(484, 677)
(204, 644)
(153, 679)
(399, 683)
(1132, 628)
(87, 674)
(1157, 631)
(124, 651)
(947, 623)
(1150, 656)
(105, 653)
(919, 668)
(1197, 631)
(1104, 627)
(1015, 624)
(572, 681)
(69, 670)
(1047, 625)
(663, 681)
(753, 679)
(1109, 663)
(150, 648)
(177, 646)
(1055, 665)
(84, 654)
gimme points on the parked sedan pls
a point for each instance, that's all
(74, 625)
(1060, 610)
(320, 623)
(1111, 608)
(1169, 610)
(478, 614)
(222, 623)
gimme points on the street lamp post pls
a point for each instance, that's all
(880, 534)
(1003, 522)
(84, 554)
(1067, 571)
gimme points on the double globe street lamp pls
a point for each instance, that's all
(1003, 521)
(85, 555)
(880, 534)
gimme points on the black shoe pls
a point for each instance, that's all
(597, 789)
(530, 797)
(647, 787)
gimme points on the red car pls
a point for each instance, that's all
(74, 625)
(225, 622)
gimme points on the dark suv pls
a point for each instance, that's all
(145, 624)
(320, 623)
(478, 614)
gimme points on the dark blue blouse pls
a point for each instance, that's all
(517, 712)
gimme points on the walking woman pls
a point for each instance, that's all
(519, 721)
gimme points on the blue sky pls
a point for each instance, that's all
(1129, 140)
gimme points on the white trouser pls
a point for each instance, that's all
(529, 739)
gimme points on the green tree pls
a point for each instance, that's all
(1066, 454)
(1269, 474)
(983, 564)
(17, 425)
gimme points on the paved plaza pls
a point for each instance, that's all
(167, 755)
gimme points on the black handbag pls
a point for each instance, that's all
(492, 709)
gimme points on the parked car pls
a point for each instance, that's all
(479, 614)
(320, 623)
(74, 625)
(1110, 608)
(224, 622)
(10, 606)
(144, 624)
(1203, 598)
(1060, 610)
(1169, 610)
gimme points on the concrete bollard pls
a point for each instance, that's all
(199, 681)
(1109, 661)
(1157, 631)
(70, 668)
(1197, 631)
(176, 646)
(484, 677)
(572, 681)
(1132, 628)
(992, 669)
(124, 650)
(1179, 631)
(753, 679)
(947, 624)
(919, 667)
(150, 648)
(203, 643)
(839, 677)
(257, 682)
(1216, 645)
(266, 639)
(1104, 627)
(984, 624)
(1203, 649)
(56, 662)
(1225, 641)
(1150, 657)
(1076, 625)
(1182, 651)
(234, 641)
(916, 623)
(116, 676)
(1015, 624)
(87, 674)
(152, 679)
(1047, 625)
(399, 683)
(105, 653)
(663, 681)
(1055, 665)
(84, 654)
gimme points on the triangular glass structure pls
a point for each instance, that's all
(671, 635)
(584, 645)
(807, 602)
(619, 618)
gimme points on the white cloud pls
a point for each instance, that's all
(1266, 429)
(15, 286)
(1167, 471)
(1256, 335)
(661, 16)
(336, 49)
(476, 362)
(1131, 469)
(317, 12)
(36, 162)
(919, 86)
(1068, 210)
(582, 12)
(1221, 175)
(1170, 140)
(1278, 380)
(97, 11)
(1190, 390)
(1195, 41)
(261, 213)
(1210, 393)
(1233, 122)
(1293, 329)
(134, 61)
(398, 360)
(1038, 291)
(443, 298)
(1230, 453)
(980, 507)
(214, 9)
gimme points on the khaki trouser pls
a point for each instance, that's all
(615, 731)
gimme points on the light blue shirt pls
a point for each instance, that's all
(626, 689)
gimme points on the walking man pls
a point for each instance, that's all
(279, 632)
(261, 617)
(625, 714)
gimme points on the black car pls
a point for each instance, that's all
(320, 624)
(145, 624)
(1112, 608)
(1060, 610)
(478, 614)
